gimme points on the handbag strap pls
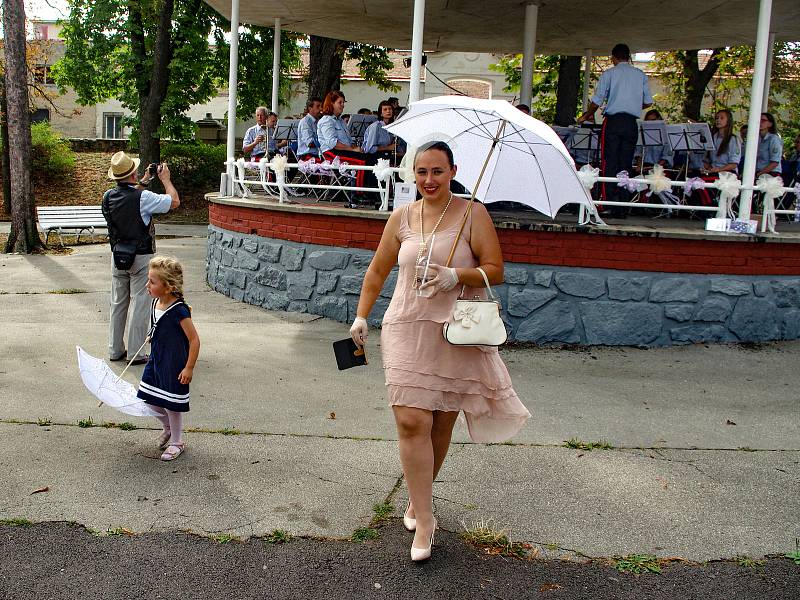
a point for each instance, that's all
(488, 287)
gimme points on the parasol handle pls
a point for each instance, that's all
(147, 339)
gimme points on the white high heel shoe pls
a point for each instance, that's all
(409, 523)
(420, 554)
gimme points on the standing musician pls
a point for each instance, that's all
(625, 92)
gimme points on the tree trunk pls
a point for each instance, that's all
(697, 81)
(6, 159)
(24, 236)
(325, 58)
(569, 89)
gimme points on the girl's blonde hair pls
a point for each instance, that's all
(170, 271)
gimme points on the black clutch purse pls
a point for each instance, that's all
(348, 354)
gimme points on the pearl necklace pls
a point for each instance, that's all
(423, 245)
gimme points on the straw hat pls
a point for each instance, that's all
(122, 166)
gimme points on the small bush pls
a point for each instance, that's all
(194, 165)
(52, 155)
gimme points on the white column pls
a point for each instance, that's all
(756, 99)
(528, 52)
(276, 65)
(771, 50)
(587, 76)
(233, 80)
(417, 34)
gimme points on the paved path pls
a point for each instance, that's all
(705, 465)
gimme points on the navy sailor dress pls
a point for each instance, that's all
(169, 350)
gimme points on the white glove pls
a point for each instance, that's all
(439, 279)
(359, 331)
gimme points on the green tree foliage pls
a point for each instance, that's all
(373, 64)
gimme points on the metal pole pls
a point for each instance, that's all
(756, 91)
(233, 68)
(587, 76)
(528, 52)
(276, 65)
(417, 33)
(770, 52)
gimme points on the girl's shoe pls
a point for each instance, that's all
(410, 523)
(163, 440)
(420, 554)
(173, 451)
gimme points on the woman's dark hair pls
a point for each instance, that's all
(380, 109)
(726, 132)
(333, 96)
(771, 119)
(441, 147)
(653, 111)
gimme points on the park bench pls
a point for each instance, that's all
(60, 218)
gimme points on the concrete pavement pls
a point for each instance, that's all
(705, 465)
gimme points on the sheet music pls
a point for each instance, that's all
(358, 126)
(651, 133)
(286, 129)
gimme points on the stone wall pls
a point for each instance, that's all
(541, 304)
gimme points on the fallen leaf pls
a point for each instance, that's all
(40, 490)
(729, 422)
(332, 416)
(549, 586)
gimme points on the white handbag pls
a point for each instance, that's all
(476, 322)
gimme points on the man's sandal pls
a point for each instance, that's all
(163, 440)
(173, 451)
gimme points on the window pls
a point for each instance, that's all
(40, 115)
(112, 126)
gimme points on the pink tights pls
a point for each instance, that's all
(172, 421)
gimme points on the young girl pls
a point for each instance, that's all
(174, 346)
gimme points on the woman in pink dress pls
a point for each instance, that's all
(430, 381)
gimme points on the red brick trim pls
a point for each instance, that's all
(562, 248)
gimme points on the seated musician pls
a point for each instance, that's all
(378, 141)
(648, 156)
(770, 147)
(254, 142)
(727, 148)
(307, 138)
(334, 136)
(273, 145)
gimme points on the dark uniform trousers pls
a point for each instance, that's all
(618, 144)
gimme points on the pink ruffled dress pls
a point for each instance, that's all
(423, 370)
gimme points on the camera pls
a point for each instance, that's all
(152, 169)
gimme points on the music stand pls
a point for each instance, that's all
(651, 134)
(587, 137)
(286, 129)
(358, 126)
(689, 138)
(565, 133)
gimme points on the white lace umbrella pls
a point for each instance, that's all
(527, 161)
(101, 381)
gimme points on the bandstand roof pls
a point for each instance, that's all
(564, 26)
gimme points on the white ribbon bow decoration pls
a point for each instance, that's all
(657, 181)
(692, 184)
(588, 176)
(631, 184)
(772, 188)
(467, 315)
(383, 170)
(278, 165)
(728, 186)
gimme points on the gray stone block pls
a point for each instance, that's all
(698, 332)
(388, 285)
(621, 323)
(581, 285)
(350, 284)
(674, 289)
(761, 288)
(304, 278)
(543, 278)
(790, 328)
(236, 294)
(713, 308)
(292, 257)
(516, 276)
(679, 312)
(226, 241)
(269, 252)
(272, 277)
(731, 287)
(326, 282)
(787, 293)
(361, 261)
(628, 288)
(250, 245)
(266, 298)
(328, 260)
(237, 279)
(298, 307)
(754, 319)
(523, 303)
(299, 292)
(227, 258)
(247, 261)
(553, 323)
(376, 315)
(329, 306)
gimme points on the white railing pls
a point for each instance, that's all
(340, 175)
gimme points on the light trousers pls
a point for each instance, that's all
(128, 287)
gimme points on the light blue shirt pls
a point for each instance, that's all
(623, 89)
(330, 130)
(307, 140)
(152, 203)
(770, 149)
(375, 137)
(732, 155)
(653, 155)
(250, 136)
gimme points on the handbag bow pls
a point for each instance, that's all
(467, 315)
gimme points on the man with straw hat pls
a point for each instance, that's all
(129, 209)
